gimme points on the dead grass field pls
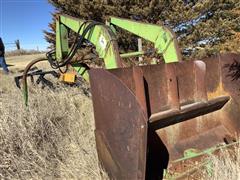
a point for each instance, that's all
(19, 62)
(54, 137)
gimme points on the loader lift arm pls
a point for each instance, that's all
(105, 41)
(99, 35)
(163, 38)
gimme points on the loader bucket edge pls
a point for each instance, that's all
(121, 126)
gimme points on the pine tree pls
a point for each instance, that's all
(203, 27)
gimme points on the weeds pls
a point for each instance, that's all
(52, 138)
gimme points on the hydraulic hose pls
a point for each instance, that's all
(24, 81)
(77, 44)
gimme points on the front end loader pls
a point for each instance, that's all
(150, 117)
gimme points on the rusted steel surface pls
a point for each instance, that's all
(211, 129)
(160, 88)
(121, 126)
(188, 112)
(191, 81)
(141, 112)
(177, 92)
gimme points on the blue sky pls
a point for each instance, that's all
(25, 20)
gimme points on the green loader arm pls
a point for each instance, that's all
(100, 35)
(103, 37)
(162, 37)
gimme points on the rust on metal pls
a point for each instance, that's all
(211, 129)
(147, 116)
(121, 126)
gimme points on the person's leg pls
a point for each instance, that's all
(3, 64)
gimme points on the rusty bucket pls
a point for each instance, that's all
(146, 117)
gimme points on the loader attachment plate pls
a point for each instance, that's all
(147, 116)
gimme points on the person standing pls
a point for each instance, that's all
(2, 57)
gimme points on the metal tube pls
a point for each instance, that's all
(133, 54)
(25, 87)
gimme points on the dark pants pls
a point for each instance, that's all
(3, 64)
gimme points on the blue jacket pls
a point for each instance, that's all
(2, 48)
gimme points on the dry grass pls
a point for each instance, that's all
(20, 62)
(226, 165)
(22, 52)
(53, 138)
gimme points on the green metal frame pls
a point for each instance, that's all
(103, 37)
(61, 40)
(162, 37)
(132, 54)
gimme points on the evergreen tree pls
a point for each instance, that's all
(203, 27)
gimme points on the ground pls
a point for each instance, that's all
(53, 138)
(20, 62)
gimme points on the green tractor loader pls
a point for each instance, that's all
(150, 117)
